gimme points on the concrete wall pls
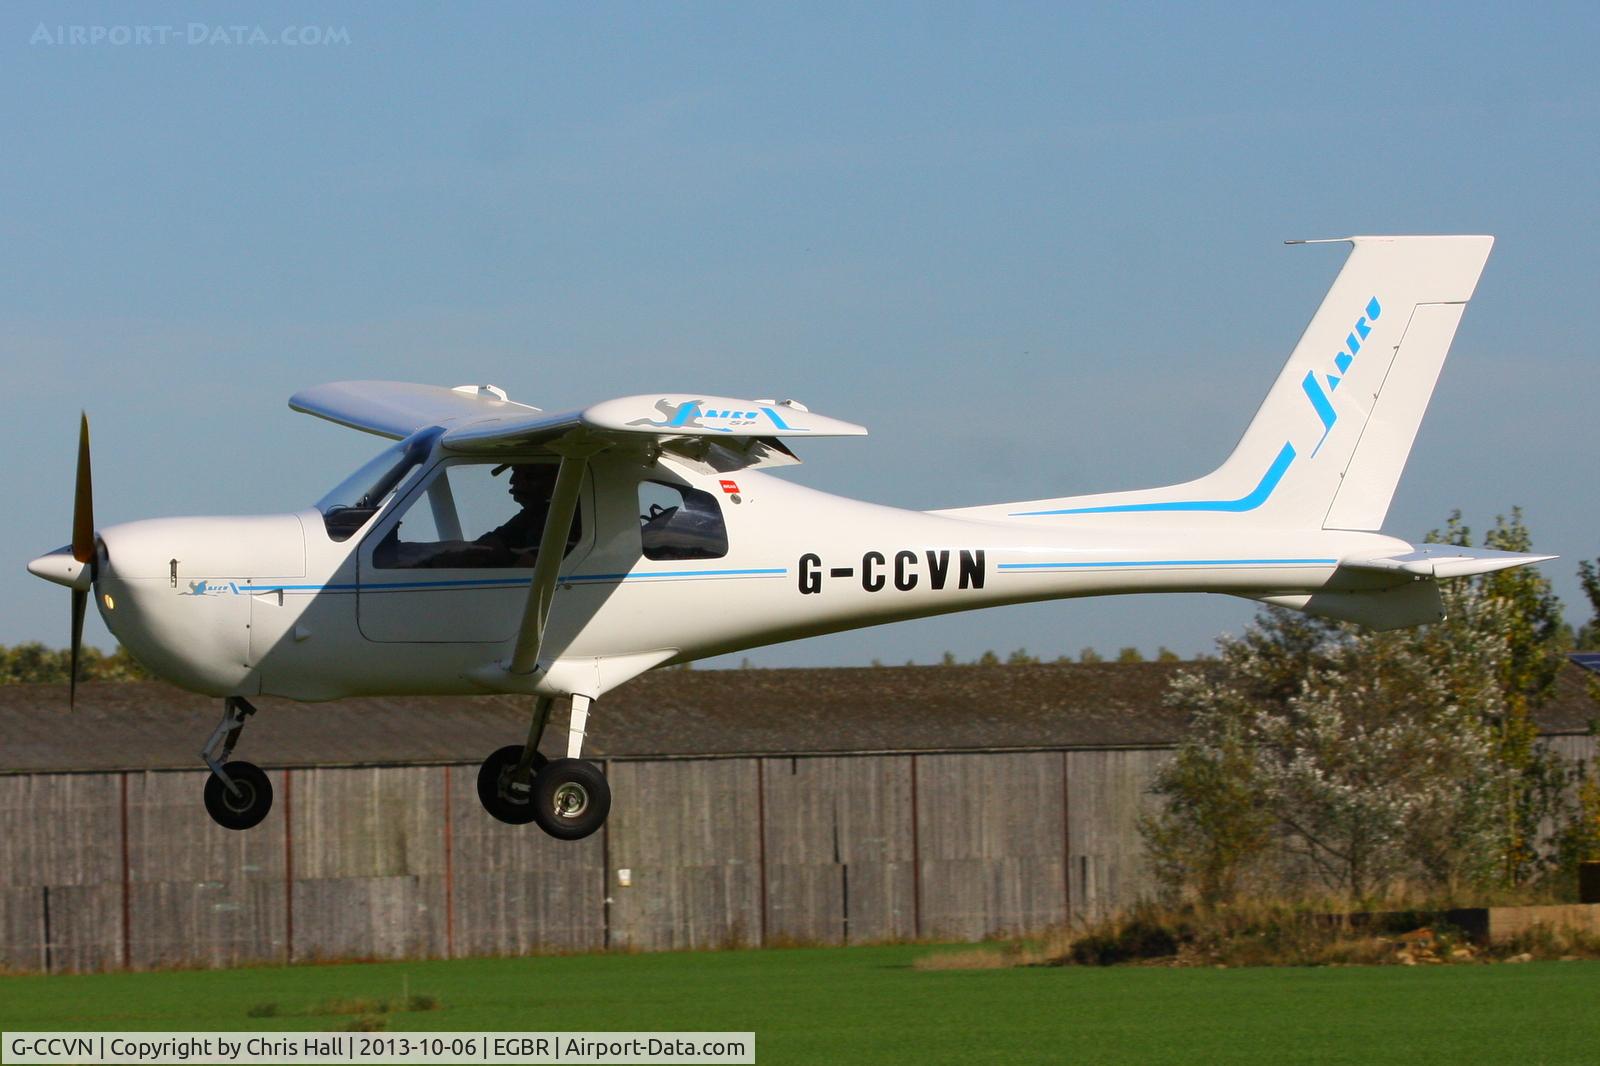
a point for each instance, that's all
(125, 869)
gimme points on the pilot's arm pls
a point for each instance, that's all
(516, 543)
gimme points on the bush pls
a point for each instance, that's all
(1266, 934)
(33, 663)
(1144, 936)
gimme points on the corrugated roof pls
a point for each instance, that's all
(138, 726)
(1572, 708)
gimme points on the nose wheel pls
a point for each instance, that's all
(246, 803)
(238, 794)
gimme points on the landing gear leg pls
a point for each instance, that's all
(505, 780)
(238, 794)
(571, 797)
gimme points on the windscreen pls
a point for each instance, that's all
(358, 497)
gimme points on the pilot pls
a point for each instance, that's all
(512, 544)
(516, 543)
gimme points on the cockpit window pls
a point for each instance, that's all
(359, 496)
(678, 522)
(475, 518)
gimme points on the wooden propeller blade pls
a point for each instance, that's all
(83, 501)
(80, 601)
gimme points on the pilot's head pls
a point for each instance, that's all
(532, 483)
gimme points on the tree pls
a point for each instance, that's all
(1020, 657)
(1589, 576)
(1089, 655)
(1213, 830)
(1165, 654)
(1320, 753)
(1130, 654)
(1383, 766)
(1536, 634)
(1213, 826)
(1579, 839)
(1537, 640)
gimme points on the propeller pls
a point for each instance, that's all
(82, 549)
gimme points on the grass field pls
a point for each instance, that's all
(869, 1005)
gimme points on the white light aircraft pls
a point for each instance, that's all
(645, 531)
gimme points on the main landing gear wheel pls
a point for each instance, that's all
(246, 803)
(571, 799)
(500, 795)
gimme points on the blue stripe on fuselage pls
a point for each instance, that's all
(500, 582)
(1123, 563)
(1248, 502)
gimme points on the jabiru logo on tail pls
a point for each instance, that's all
(1342, 360)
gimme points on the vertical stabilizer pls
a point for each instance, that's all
(1328, 444)
(1349, 401)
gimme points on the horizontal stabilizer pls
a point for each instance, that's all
(1408, 592)
(1413, 604)
(1442, 561)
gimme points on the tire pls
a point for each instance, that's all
(505, 807)
(571, 799)
(243, 811)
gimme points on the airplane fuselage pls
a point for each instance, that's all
(275, 605)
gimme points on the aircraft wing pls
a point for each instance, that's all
(673, 415)
(480, 418)
(398, 409)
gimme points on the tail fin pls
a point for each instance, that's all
(1327, 446)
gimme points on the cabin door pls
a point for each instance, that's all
(452, 562)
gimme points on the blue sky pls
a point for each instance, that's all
(1035, 249)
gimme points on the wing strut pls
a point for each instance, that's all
(547, 567)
